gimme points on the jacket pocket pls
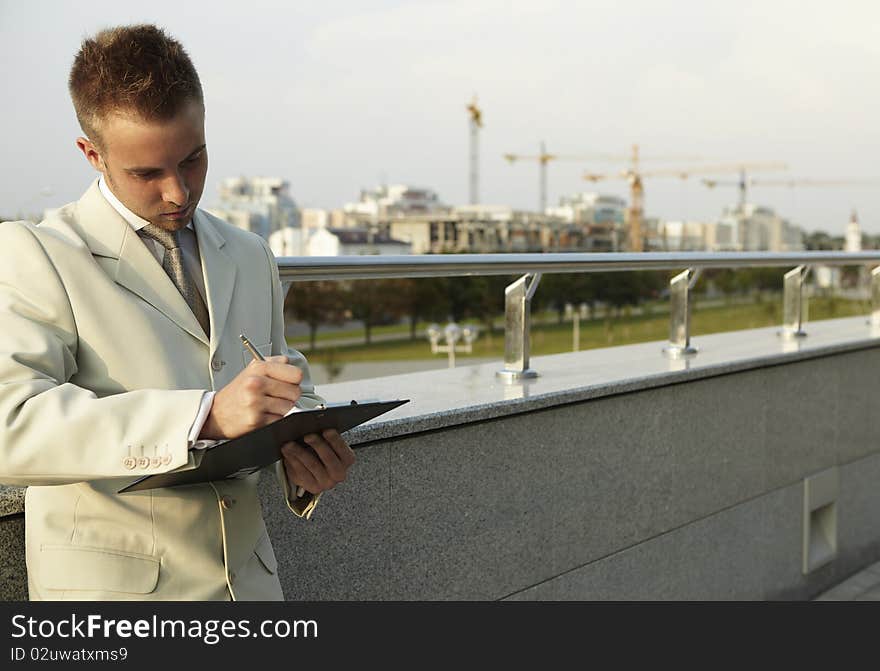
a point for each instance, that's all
(247, 357)
(73, 567)
(265, 554)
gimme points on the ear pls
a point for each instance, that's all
(91, 152)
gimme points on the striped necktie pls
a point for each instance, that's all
(172, 264)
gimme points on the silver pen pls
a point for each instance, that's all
(259, 357)
(253, 350)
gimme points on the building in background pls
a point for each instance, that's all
(684, 236)
(394, 200)
(262, 205)
(653, 235)
(721, 236)
(830, 278)
(476, 229)
(287, 241)
(416, 216)
(688, 236)
(853, 234)
(404, 219)
(313, 219)
(760, 228)
(597, 221)
(352, 242)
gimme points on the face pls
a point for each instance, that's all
(155, 168)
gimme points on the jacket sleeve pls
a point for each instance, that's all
(55, 432)
(304, 505)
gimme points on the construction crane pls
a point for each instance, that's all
(476, 122)
(743, 184)
(543, 158)
(634, 176)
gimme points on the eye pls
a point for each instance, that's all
(146, 175)
(194, 157)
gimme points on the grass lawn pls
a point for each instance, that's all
(550, 338)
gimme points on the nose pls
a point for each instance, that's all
(175, 190)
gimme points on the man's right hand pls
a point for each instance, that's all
(260, 394)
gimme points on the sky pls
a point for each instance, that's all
(338, 96)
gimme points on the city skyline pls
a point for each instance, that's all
(348, 95)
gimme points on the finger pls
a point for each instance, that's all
(269, 417)
(281, 358)
(340, 446)
(281, 371)
(256, 410)
(270, 387)
(281, 389)
(256, 404)
(277, 359)
(298, 474)
(314, 465)
(277, 407)
(334, 466)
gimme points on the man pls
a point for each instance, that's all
(120, 351)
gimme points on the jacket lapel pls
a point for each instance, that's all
(107, 234)
(219, 271)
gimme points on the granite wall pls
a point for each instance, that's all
(688, 490)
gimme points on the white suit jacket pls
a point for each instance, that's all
(102, 370)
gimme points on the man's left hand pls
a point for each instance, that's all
(319, 464)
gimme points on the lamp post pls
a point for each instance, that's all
(452, 333)
(575, 313)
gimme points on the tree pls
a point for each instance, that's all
(315, 303)
(423, 298)
(820, 240)
(558, 289)
(375, 302)
(487, 294)
(744, 280)
(629, 288)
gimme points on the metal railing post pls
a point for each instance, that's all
(874, 321)
(794, 306)
(680, 314)
(285, 289)
(517, 317)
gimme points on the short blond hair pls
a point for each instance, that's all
(136, 69)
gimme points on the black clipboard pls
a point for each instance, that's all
(259, 448)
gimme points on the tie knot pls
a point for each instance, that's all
(168, 239)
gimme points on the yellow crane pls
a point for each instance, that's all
(475, 115)
(744, 183)
(543, 158)
(634, 175)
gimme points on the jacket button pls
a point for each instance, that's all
(129, 462)
(155, 462)
(143, 462)
(227, 502)
(217, 364)
(166, 459)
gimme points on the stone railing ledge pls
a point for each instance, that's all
(471, 393)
